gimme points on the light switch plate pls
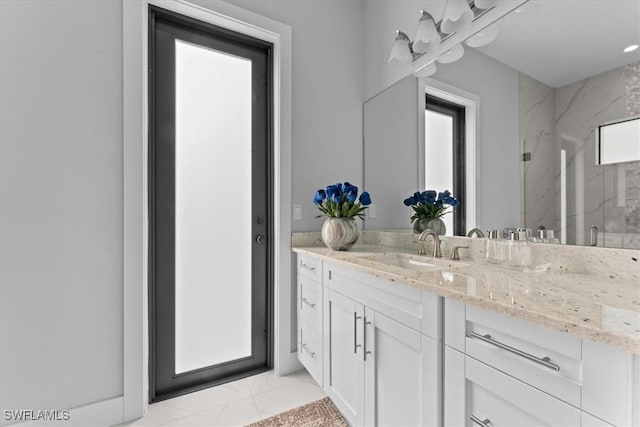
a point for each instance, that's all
(297, 212)
(372, 211)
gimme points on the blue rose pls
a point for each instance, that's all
(334, 192)
(452, 201)
(429, 196)
(319, 197)
(444, 195)
(409, 201)
(365, 198)
(351, 191)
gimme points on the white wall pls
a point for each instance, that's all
(60, 203)
(498, 190)
(328, 82)
(61, 178)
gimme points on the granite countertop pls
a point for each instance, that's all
(604, 309)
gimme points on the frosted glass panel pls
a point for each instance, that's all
(213, 207)
(439, 157)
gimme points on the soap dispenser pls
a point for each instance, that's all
(519, 251)
(494, 246)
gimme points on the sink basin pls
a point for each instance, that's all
(413, 262)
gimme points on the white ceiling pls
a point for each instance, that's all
(562, 41)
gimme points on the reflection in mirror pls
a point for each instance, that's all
(555, 73)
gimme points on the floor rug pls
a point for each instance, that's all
(319, 413)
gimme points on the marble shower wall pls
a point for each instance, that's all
(537, 117)
(566, 118)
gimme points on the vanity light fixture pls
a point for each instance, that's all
(457, 16)
(452, 55)
(401, 51)
(427, 36)
(630, 48)
(484, 36)
(426, 71)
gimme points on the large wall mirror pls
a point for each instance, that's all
(537, 100)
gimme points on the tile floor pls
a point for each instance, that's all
(234, 404)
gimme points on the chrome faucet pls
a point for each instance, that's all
(475, 231)
(437, 252)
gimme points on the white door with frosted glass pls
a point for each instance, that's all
(210, 214)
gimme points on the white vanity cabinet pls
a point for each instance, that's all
(512, 372)
(379, 368)
(309, 309)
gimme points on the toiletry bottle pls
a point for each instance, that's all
(513, 249)
(494, 246)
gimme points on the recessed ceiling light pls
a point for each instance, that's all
(630, 48)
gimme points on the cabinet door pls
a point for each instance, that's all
(343, 370)
(402, 384)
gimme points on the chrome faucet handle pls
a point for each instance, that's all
(455, 256)
(475, 231)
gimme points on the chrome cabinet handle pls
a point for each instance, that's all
(545, 361)
(481, 423)
(355, 332)
(364, 354)
(307, 267)
(310, 304)
(312, 353)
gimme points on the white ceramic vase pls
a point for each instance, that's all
(436, 224)
(340, 234)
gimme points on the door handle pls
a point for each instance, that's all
(260, 239)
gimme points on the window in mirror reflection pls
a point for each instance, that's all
(445, 156)
(619, 142)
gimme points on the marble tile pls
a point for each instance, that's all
(234, 403)
(566, 118)
(268, 381)
(288, 396)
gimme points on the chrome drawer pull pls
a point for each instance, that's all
(304, 347)
(355, 332)
(364, 355)
(310, 304)
(306, 266)
(481, 423)
(545, 361)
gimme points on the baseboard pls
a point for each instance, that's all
(289, 364)
(100, 414)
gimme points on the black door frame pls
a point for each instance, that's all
(457, 113)
(156, 13)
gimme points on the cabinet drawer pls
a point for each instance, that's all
(310, 351)
(546, 359)
(310, 302)
(310, 267)
(495, 399)
(397, 301)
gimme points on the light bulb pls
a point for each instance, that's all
(400, 52)
(457, 16)
(427, 37)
